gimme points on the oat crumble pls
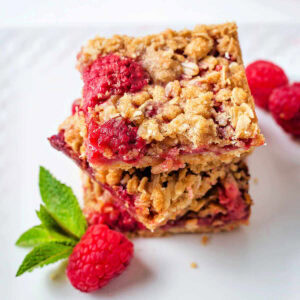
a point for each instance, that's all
(194, 106)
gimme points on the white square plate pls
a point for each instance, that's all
(38, 83)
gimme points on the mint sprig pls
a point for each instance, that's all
(61, 204)
(46, 218)
(40, 234)
(62, 225)
(44, 254)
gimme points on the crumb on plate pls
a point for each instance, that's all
(193, 265)
(205, 239)
(60, 271)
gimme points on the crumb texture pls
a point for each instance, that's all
(155, 199)
(183, 91)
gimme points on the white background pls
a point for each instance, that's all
(58, 12)
(38, 44)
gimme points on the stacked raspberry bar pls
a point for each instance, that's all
(221, 203)
(161, 131)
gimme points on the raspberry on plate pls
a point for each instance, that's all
(101, 255)
(284, 105)
(263, 76)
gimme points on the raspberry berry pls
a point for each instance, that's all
(263, 76)
(112, 75)
(117, 138)
(96, 254)
(101, 255)
(284, 104)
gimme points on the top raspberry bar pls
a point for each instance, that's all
(166, 99)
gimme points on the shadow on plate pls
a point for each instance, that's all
(137, 274)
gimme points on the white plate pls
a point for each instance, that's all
(38, 83)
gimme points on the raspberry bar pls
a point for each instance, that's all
(222, 208)
(152, 199)
(165, 100)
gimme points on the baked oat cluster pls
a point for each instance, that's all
(222, 207)
(180, 96)
(163, 125)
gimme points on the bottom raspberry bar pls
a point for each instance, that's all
(154, 199)
(223, 208)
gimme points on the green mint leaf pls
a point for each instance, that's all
(44, 254)
(39, 234)
(46, 218)
(61, 204)
(49, 223)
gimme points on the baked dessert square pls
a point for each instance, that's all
(164, 100)
(222, 208)
(152, 199)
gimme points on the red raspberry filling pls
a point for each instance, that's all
(112, 75)
(114, 139)
(231, 198)
(284, 105)
(115, 218)
(75, 106)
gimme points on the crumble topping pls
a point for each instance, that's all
(165, 100)
(74, 132)
(188, 110)
(196, 94)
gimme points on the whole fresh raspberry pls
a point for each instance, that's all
(112, 75)
(284, 104)
(101, 255)
(263, 76)
(117, 138)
